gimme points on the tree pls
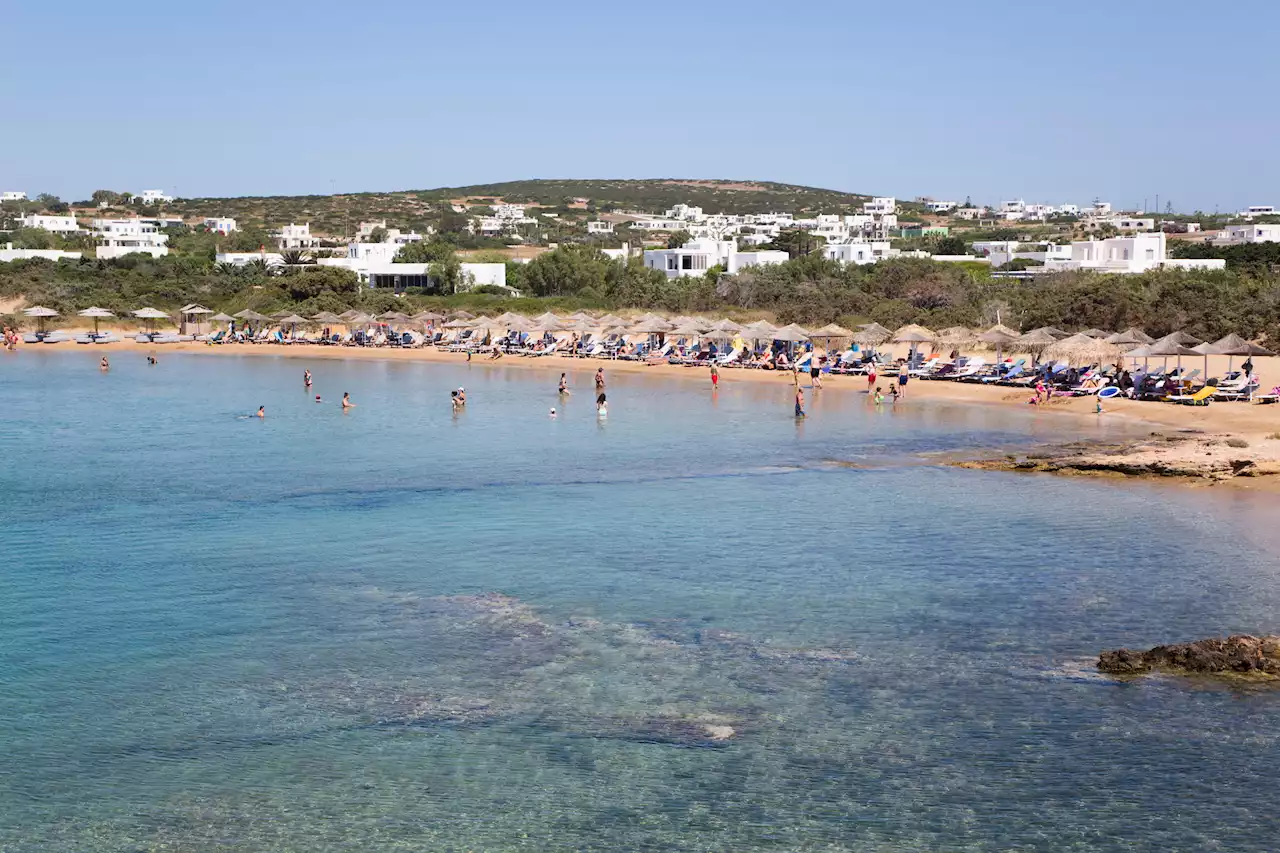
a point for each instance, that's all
(422, 252)
(951, 246)
(32, 238)
(678, 239)
(798, 242)
(378, 235)
(447, 273)
(568, 270)
(310, 283)
(105, 198)
(295, 257)
(51, 202)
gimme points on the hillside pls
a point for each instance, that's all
(338, 214)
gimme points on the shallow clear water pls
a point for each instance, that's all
(218, 633)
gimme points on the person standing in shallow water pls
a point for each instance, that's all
(346, 401)
(799, 402)
(564, 383)
(306, 378)
(715, 377)
(599, 379)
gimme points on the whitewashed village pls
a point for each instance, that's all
(685, 240)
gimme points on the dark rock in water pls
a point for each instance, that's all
(1237, 655)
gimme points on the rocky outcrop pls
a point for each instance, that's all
(1237, 655)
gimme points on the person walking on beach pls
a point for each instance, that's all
(799, 402)
(306, 378)
(564, 384)
(599, 379)
(815, 371)
(346, 401)
(715, 378)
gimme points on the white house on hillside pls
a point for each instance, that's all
(56, 224)
(1233, 235)
(1258, 210)
(880, 205)
(243, 259)
(1135, 253)
(221, 224)
(8, 254)
(119, 237)
(294, 236)
(599, 226)
(857, 252)
(154, 197)
(13, 195)
(699, 255)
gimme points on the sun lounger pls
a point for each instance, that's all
(1201, 398)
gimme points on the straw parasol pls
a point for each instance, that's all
(428, 317)
(458, 324)
(250, 314)
(651, 326)
(582, 315)
(392, 317)
(877, 328)
(610, 320)
(688, 330)
(293, 320)
(40, 313)
(1035, 341)
(1130, 335)
(791, 333)
(463, 315)
(869, 338)
(221, 318)
(958, 336)
(1163, 347)
(1082, 349)
(1182, 338)
(913, 334)
(1233, 345)
(829, 333)
(1100, 334)
(1001, 337)
(150, 315)
(1057, 333)
(725, 326)
(328, 318)
(97, 314)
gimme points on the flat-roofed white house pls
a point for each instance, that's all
(970, 212)
(685, 212)
(154, 197)
(1134, 223)
(56, 224)
(1258, 210)
(1042, 253)
(940, 206)
(1134, 253)
(220, 224)
(1233, 235)
(880, 205)
(8, 254)
(857, 252)
(599, 226)
(13, 195)
(120, 237)
(376, 270)
(243, 259)
(293, 236)
(699, 255)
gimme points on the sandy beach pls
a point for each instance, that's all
(1201, 450)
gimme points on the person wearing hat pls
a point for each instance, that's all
(462, 396)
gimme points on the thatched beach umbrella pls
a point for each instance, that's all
(252, 316)
(458, 324)
(1165, 347)
(1001, 337)
(791, 334)
(829, 333)
(914, 335)
(651, 326)
(293, 320)
(688, 330)
(463, 315)
(221, 318)
(41, 314)
(1233, 345)
(725, 327)
(393, 317)
(611, 320)
(1082, 349)
(877, 329)
(1100, 334)
(428, 317)
(150, 315)
(328, 318)
(1130, 336)
(957, 336)
(97, 314)
(1035, 342)
(1182, 338)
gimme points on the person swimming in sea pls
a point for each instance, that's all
(318, 400)
(104, 364)
(262, 411)
(453, 397)
(346, 401)
(564, 384)
(306, 378)
(462, 396)
(151, 359)
(553, 411)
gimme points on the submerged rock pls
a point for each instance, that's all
(1237, 655)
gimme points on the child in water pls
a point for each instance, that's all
(879, 396)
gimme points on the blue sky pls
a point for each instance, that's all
(1048, 101)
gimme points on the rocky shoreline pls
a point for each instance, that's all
(1187, 455)
(1238, 656)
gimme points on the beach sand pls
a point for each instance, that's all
(1256, 425)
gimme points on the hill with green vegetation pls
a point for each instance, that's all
(341, 214)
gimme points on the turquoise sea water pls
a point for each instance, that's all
(401, 629)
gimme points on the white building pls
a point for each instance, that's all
(13, 195)
(699, 255)
(1042, 253)
(508, 211)
(221, 224)
(8, 254)
(294, 236)
(154, 197)
(1012, 210)
(367, 228)
(377, 272)
(940, 206)
(1258, 210)
(243, 259)
(599, 226)
(880, 206)
(1133, 223)
(119, 237)
(660, 225)
(1234, 235)
(858, 252)
(56, 224)
(970, 212)
(687, 213)
(1135, 253)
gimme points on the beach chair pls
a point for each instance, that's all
(1201, 398)
(107, 338)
